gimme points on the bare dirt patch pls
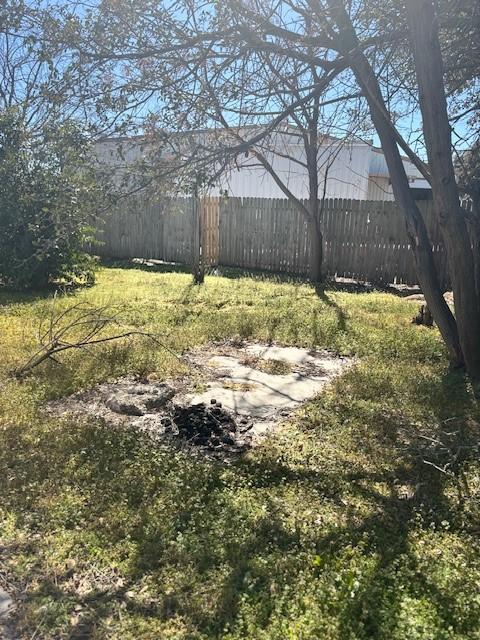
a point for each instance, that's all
(246, 389)
(262, 381)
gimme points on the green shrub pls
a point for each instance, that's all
(48, 199)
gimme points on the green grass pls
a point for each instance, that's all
(335, 528)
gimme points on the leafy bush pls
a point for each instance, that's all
(48, 199)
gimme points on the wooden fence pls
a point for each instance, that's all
(364, 240)
(160, 229)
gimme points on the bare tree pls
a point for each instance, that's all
(301, 140)
(236, 96)
(388, 53)
(25, 74)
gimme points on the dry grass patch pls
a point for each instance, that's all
(271, 366)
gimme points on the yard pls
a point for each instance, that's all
(357, 519)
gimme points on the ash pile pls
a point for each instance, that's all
(206, 426)
(209, 427)
(151, 408)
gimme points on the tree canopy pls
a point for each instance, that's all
(405, 71)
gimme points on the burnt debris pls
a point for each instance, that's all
(206, 426)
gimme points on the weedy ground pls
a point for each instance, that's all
(358, 519)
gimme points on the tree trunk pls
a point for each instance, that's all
(473, 224)
(314, 209)
(421, 247)
(475, 237)
(436, 127)
(316, 255)
(197, 266)
(310, 212)
(416, 229)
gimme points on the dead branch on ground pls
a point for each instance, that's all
(79, 326)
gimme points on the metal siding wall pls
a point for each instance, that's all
(380, 189)
(347, 177)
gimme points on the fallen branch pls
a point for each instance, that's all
(86, 322)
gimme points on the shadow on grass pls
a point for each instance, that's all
(236, 273)
(10, 296)
(153, 266)
(156, 266)
(330, 302)
(220, 538)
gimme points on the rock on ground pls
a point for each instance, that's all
(6, 604)
(138, 399)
